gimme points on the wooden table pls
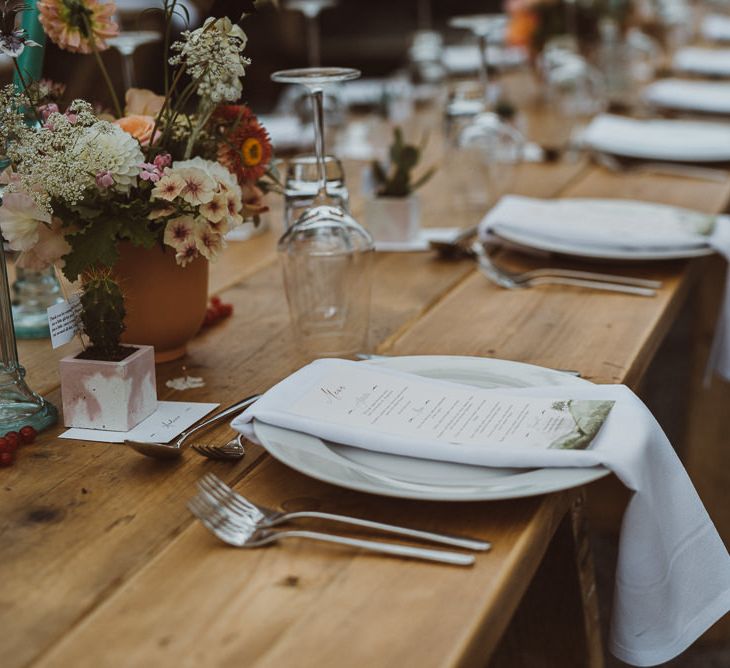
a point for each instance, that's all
(104, 566)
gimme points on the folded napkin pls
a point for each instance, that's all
(673, 573)
(677, 140)
(697, 60)
(620, 225)
(716, 28)
(711, 97)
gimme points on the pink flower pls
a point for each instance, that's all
(216, 209)
(198, 187)
(78, 26)
(47, 109)
(163, 160)
(168, 187)
(179, 232)
(143, 101)
(49, 249)
(104, 179)
(21, 220)
(149, 172)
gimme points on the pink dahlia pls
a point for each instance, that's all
(78, 26)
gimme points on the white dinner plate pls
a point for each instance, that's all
(709, 97)
(528, 242)
(411, 478)
(659, 139)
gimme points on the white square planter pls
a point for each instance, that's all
(115, 396)
(393, 218)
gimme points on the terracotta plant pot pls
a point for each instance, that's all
(393, 218)
(115, 396)
(165, 303)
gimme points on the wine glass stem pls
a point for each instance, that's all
(313, 41)
(484, 66)
(318, 109)
(128, 74)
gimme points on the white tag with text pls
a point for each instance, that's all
(64, 321)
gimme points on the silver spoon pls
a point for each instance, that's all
(176, 448)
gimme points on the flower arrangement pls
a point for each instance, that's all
(179, 169)
(532, 23)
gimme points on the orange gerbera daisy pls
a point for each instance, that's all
(246, 149)
(78, 26)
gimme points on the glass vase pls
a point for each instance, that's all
(19, 405)
(33, 293)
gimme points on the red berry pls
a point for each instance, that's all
(216, 301)
(226, 310)
(28, 434)
(7, 458)
(14, 438)
(5, 445)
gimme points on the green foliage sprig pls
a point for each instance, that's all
(398, 181)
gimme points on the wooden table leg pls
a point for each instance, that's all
(557, 623)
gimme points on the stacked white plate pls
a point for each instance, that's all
(601, 228)
(716, 28)
(707, 62)
(671, 140)
(710, 97)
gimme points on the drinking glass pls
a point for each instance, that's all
(311, 10)
(482, 164)
(33, 293)
(127, 42)
(486, 28)
(326, 255)
(301, 185)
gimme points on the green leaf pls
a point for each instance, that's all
(137, 231)
(423, 178)
(93, 246)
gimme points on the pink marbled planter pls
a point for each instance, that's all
(115, 396)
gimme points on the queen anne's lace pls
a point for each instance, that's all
(212, 56)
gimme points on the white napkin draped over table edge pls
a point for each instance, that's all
(552, 219)
(673, 571)
(712, 97)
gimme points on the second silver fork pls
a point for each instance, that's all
(608, 282)
(217, 492)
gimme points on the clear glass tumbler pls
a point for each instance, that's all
(326, 256)
(301, 185)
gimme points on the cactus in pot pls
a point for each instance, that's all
(102, 317)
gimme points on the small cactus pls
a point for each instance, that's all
(403, 159)
(102, 315)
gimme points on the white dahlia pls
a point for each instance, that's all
(107, 149)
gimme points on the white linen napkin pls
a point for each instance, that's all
(619, 225)
(698, 60)
(712, 97)
(673, 573)
(716, 28)
(677, 140)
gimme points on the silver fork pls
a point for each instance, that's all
(528, 279)
(670, 169)
(234, 531)
(233, 450)
(218, 493)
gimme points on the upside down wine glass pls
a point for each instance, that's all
(485, 28)
(326, 255)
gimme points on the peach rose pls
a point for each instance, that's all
(140, 127)
(142, 101)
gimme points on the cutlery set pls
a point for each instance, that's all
(238, 522)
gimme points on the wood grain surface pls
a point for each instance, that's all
(103, 565)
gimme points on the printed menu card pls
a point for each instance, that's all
(416, 407)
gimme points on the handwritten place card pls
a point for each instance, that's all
(169, 420)
(419, 408)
